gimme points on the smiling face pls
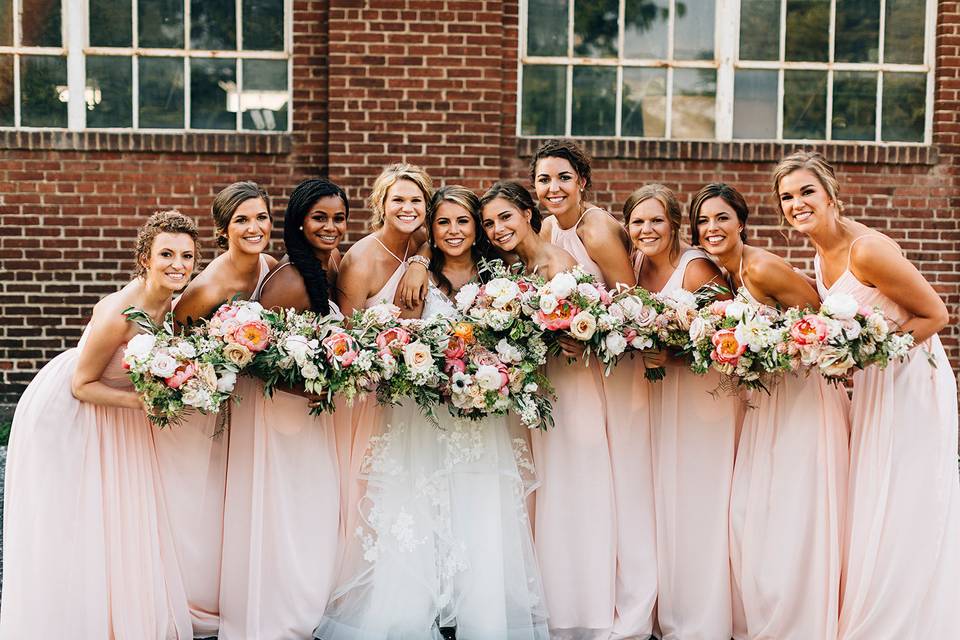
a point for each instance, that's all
(453, 230)
(325, 223)
(171, 260)
(404, 207)
(558, 185)
(718, 226)
(650, 229)
(250, 226)
(804, 201)
(505, 225)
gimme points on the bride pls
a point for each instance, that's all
(444, 539)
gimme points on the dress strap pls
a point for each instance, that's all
(276, 269)
(854, 241)
(396, 257)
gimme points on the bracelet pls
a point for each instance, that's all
(423, 261)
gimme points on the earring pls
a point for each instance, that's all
(301, 227)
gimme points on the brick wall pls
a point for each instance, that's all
(430, 81)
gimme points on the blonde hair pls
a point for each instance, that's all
(668, 200)
(171, 221)
(813, 162)
(389, 177)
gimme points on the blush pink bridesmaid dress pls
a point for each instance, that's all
(281, 516)
(787, 509)
(87, 547)
(902, 541)
(694, 430)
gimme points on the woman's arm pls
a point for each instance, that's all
(603, 238)
(352, 285)
(777, 281)
(107, 332)
(414, 284)
(197, 302)
(701, 272)
(285, 290)
(878, 262)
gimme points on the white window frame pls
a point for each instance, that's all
(726, 62)
(75, 25)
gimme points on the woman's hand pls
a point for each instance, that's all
(571, 347)
(412, 290)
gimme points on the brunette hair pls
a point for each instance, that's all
(569, 151)
(517, 195)
(299, 250)
(389, 177)
(170, 221)
(814, 162)
(668, 200)
(226, 202)
(467, 199)
(729, 195)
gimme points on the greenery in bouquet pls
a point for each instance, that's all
(175, 373)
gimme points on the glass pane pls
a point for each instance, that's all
(40, 23)
(6, 91)
(694, 104)
(693, 33)
(43, 91)
(645, 28)
(109, 91)
(544, 99)
(903, 32)
(262, 25)
(804, 104)
(213, 24)
(904, 107)
(595, 28)
(858, 26)
(755, 104)
(160, 23)
(594, 101)
(760, 29)
(213, 90)
(265, 95)
(6, 23)
(808, 30)
(111, 23)
(161, 93)
(644, 112)
(854, 105)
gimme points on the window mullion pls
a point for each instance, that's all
(929, 58)
(75, 37)
(568, 99)
(15, 8)
(727, 30)
(186, 64)
(668, 116)
(288, 48)
(828, 125)
(878, 128)
(781, 73)
(135, 70)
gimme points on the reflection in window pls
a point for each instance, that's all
(161, 93)
(544, 95)
(694, 99)
(109, 91)
(904, 106)
(41, 23)
(595, 28)
(212, 82)
(265, 96)
(755, 104)
(262, 25)
(161, 23)
(6, 91)
(594, 101)
(805, 104)
(693, 33)
(854, 105)
(645, 30)
(644, 111)
(43, 91)
(111, 23)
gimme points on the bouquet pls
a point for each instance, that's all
(843, 336)
(175, 373)
(240, 327)
(740, 339)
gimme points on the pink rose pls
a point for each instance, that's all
(181, 375)
(393, 338)
(484, 357)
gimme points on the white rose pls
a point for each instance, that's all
(642, 343)
(632, 306)
(300, 348)
(834, 361)
(737, 310)
(877, 326)
(616, 343)
(698, 329)
(562, 284)
(226, 382)
(249, 312)
(309, 371)
(163, 365)
(646, 316)
(417, 356)
(531, 387)
(382, 313)
(583, 325)
(548, 302)
(840, 306)
(508, 352)
(467, 295)
(588, 291)
(184, 350)
(851, 329)
(488, 377)
(140, 346)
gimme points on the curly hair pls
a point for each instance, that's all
(170, 221)
(389, 177)
(726, 193)
(226, 202)
(463, 197)
(517, 195)
(298, 249)
(569, 151)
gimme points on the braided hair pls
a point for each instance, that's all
(298, 249)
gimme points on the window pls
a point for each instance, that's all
(845, 70)
(145, 64)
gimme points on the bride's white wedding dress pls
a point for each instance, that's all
(443, 538)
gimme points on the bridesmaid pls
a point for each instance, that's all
(193, 456)
(694, 438)
(901, 551)
(281, 518)
(87, 543)
(787, 500)
(560, 171)
(574, 513)
(369, 275)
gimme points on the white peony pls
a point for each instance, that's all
(755, 333)
(548, 302)
(737, 310)
(382, 313)
(183, 349)
(140, 346)
(503, 291)
(583, 325)
(642, 343)
(616, 343)
(562, 284)
(300, 348)
(488, 377)
(680, 297)
(840, 306)
(588, 291)
(226, 382)
(877, 326)
(851, 329)
(163, 365)
(467, 295)
(631, 306)
(309, 371)
(249, 312)
(508, 352)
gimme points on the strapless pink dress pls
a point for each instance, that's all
(87, 546)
